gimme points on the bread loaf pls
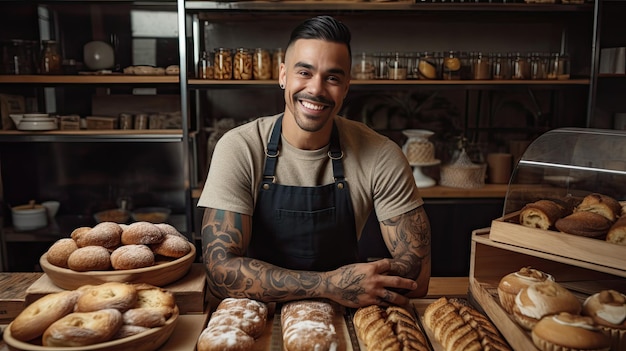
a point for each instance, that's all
(83, 328)
(115, 295)
(234, 325)
(583, 223)
(459, 326)
(308, 325)
(393, 328)
(603, 205)
(617, 232)
(39, 315)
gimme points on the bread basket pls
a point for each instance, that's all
(161, 274)
(149, 340)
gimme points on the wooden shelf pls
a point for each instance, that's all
(87, 79)
(143, 135)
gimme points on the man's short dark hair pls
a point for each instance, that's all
(324, 28)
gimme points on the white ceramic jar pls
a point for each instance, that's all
(29, 217)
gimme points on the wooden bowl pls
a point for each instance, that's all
(161, 274)
(149, 340)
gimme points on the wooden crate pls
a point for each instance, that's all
(491, 260)
(580, 251)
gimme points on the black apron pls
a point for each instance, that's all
(303, 228)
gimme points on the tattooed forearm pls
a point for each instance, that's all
(225, 236)
(408, 239)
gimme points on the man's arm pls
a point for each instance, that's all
(408, 239)
(225, 237)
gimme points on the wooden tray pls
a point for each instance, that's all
(162, 273)
(147, 341)
(607, 257)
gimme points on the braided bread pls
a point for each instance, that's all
(393, 328)
(459, 326)
(308, 325)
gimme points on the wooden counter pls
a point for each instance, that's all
(190, 326)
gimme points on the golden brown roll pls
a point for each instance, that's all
(132, 257)
(169, 229)
(617, 232)
(78, 232)
(148, 317)
(224, 338)
(106, 234)
(512, 283)
(568, 332)
(60, 251)
(153, 296)
(603, 205)
(587, 224)
(39, 315)
(172, 246)
(115, 295)
(541, 214)
(89, 258)
(307, 325)
(144, 233)
(607, 308)
(543, 299)
(83, 328)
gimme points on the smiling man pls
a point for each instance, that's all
(287, 196)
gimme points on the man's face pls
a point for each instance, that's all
(316, 75)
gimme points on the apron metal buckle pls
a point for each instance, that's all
(334, 156)
(273, 155)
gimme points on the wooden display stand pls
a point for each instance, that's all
(491, 260)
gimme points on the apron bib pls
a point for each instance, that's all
(304, 228)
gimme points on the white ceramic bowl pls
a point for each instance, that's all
(27, 217)
(98, 55)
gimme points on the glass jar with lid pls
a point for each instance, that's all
(427, 67)
(50, 59)
(222, 64)
(451, 68)
(538, 66)
(558, 66)
(481, 66)
(278, 57)
(520, 67)
(397, 66)
(242, 64)
(501, 67)
(261, 64)
(380, 60)
(363, 67)
(205, 67)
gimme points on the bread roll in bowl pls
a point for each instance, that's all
(173, 246)
(60, 252)
(105, 234)
(89, 258)
(39, 315)
(112, 295)
(83, 328)
(132, 257)
(145, 233)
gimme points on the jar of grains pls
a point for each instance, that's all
(242, 64)
(363, 67)
(261, 64)
(427, 66)
(452, 65)
(278, 57)
(222, 64)
(481, 66)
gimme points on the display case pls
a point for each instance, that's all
(563, 165)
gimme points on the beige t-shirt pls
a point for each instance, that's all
(377, 172)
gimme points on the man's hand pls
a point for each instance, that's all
(364, 284)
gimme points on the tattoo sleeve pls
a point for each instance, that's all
(225, 237)
(408, 239)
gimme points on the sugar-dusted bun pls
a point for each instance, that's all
(607, 308)
(116, 295)
(617, 232)
(89, 258)
(603, 205)
(224, 338)
(307, 325)
(541, 214)
(169, 229)
(60, 251)
(132, 257)
(83, 328)
(543, 299)
(512, 283)
(78, 232)
(106, 234)
(568, 332)
(39, 315)
(172, 246)
(144, 233)
(584, 223)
